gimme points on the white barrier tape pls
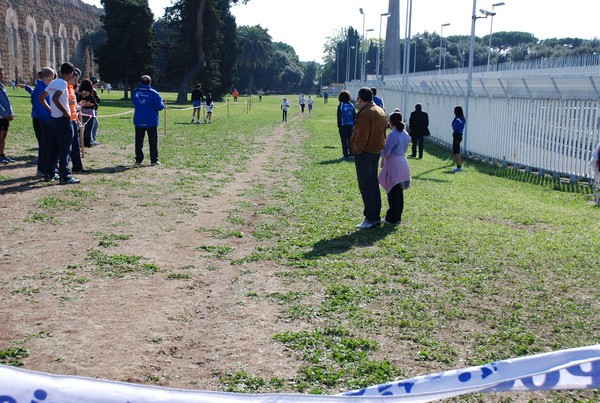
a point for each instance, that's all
(567, 369)
(110, 116)
(577, 368)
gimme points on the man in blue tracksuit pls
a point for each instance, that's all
(147, 102)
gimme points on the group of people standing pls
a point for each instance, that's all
(56, 106)
(364, 140)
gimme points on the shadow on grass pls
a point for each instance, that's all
(26, 183)
(342, 244)
(510, 173)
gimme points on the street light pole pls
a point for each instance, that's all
(379, 45)
(356, 59)
(415, 61)
(365, 51)
(441, 42)
(491, 25)
(337, 60)
(347, 59)
(362, 60)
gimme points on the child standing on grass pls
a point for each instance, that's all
(395, 173)
(285, 105)
(209, 107)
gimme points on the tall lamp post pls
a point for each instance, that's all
(379, 44)
(362, 59)
(348, 63)
(491, 25)
(441, 42)
(337, 61)
(415, 61)
(356, 59)
(365, 51)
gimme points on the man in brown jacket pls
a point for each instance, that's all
(367, 141)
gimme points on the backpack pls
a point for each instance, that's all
(347, 114)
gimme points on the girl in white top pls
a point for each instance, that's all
(209, 107)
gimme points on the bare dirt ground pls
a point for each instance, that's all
(182, 332)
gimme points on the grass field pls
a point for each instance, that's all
(489, 264)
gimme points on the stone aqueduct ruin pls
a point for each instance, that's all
(39, 33)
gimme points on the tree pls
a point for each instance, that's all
(257, 49)
(190, 18)
(129, 49)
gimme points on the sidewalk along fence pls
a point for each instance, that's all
(547, 122)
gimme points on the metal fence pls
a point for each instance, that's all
(544, 119)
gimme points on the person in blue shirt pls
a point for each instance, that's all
(378, 101)
(41, 119)
(147, 102)
(346, 116)
(6, 115)
(458, 128)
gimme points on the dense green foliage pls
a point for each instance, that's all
(129, 48)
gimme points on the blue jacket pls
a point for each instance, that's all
(458, 126)
(37, 110)
(5, 106)
(147, 102)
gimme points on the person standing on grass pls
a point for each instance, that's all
(147, 102)
(77, 163)
(235, 94)
(458, 128)
(209, 108)
(366, 143)
(395, 173)
(61, 130)
(376, 100)
(302, 102)
(418, 123)
(89, 111)
(346, 116)
(6, 115)
(41, 119)
(197, 100)
(310, 104)
(285, 105)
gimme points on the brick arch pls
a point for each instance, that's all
(34, 53)
(14, 41)
(49, 44)
(78, 47)
(63, 38)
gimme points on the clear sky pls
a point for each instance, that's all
(306, 24)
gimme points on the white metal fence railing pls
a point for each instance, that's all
(546, 122)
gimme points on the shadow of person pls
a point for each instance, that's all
(341, 244)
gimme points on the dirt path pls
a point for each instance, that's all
(182, 332)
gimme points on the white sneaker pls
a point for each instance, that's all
(368, 224)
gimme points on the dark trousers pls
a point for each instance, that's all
(76, 162)
(44, 164)
(152, 141)
(345, 134)
(417, 141)
(61, 139)
(396, 202)
(367, 165)
(37, 129)
(284, 118)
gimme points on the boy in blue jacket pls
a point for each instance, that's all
(147, 102)
(6, 115)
